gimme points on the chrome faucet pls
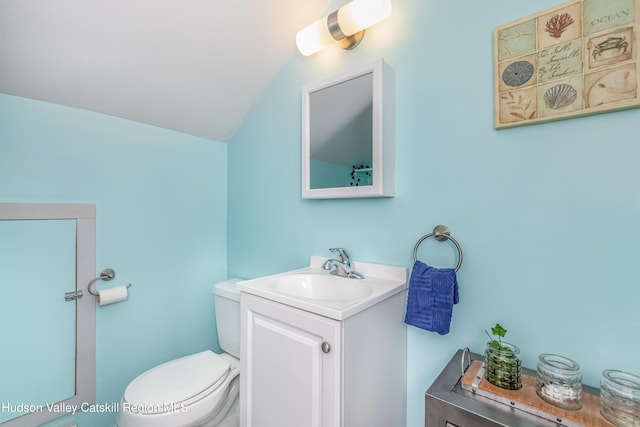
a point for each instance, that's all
(341, 267)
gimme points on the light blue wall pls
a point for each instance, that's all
(161, 224)
(548, 215)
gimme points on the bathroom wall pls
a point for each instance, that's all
(547, 215)
(161, 212)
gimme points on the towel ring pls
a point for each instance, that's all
(441, 233)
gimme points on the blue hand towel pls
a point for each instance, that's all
(432, 294)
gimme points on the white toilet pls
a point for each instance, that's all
(201, 389)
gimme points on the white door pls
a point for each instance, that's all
(290, 366)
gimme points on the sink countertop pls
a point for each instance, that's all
(383, 280)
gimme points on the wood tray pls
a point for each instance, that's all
(527, 400)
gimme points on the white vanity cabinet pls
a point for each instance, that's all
(301, 369)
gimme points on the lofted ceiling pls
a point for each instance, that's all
(194, 66)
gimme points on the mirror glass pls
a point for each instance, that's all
(341, 134)
(348, 146)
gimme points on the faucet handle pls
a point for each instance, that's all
(344, 255)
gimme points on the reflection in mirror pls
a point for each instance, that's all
(47, 363)
(348, 147)
(340, 134)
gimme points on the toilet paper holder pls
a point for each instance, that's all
(106, 275)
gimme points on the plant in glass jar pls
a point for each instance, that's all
(503, 367)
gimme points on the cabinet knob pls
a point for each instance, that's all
(326, 348)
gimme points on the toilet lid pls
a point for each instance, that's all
(177, 381)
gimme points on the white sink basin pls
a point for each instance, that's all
(322, 287)
(314, 289)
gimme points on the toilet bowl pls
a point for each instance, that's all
(196, 390)
(200, 389)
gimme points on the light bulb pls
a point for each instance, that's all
(362, 14)
(313, 38)
(352, 18)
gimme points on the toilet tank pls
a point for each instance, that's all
(226, 296)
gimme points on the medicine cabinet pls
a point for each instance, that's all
(348, 134)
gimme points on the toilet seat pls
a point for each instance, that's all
(176, 384)
(201, 390)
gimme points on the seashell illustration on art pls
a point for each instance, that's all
(619, 85)
(575, 59)
(560, 96)
(518, 73)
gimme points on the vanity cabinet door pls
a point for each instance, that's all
(290, 366)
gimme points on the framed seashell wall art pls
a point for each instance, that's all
(575, 59)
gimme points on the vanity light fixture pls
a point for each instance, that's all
(345, 26)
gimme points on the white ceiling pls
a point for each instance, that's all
(195, 66)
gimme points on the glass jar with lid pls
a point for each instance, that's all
(559, 381)
(620, 398)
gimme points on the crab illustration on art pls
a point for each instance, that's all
(610, 43)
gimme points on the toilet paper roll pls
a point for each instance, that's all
(112, 295)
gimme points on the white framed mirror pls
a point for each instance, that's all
(348, 135)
